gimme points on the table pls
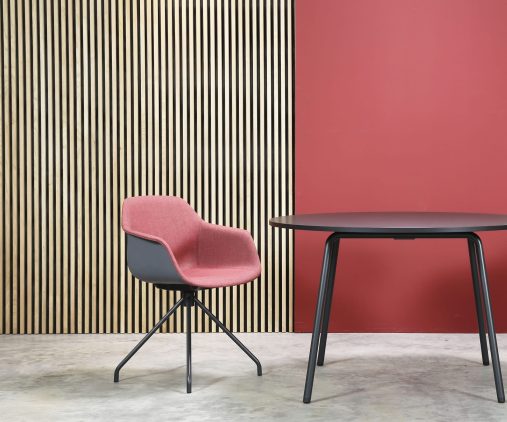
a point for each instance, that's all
(403, 226)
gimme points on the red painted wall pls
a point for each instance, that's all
(401, 105)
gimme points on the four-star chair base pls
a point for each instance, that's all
(188, 300)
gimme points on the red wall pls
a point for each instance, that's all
(401, 105)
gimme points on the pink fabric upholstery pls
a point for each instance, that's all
(205, 255)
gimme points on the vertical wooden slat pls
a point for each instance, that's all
(148, 139)
(14, 167)
(2, 161)
(71, 136)
(262, 157)
(156, 118)
(43, 242)
(21, 77)
(116, 150)
(284, 210)
(165, 135)
(99, 234)
(79, 165)
(107, 163)
(56, 164)
(7, 129)
(36, 136)
(27, 263)
(206, 125)
(143, 139)
(126, 300)
(123, 156)
(95, 100)
(290, 179)
(64, 170)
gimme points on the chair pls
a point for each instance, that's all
(169, 245)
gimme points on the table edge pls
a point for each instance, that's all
(363, 230)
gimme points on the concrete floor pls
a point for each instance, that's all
(395, 377)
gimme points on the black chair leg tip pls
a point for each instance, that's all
(259, 371)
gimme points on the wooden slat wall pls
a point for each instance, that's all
(107, 99)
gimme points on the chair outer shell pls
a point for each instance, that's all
(167, 242)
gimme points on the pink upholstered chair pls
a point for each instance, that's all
(169, 245)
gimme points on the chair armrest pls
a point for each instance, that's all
(226, 246)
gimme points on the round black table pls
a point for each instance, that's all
(403, 226)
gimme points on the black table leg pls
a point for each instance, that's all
(478, 301)
(329, 302)
(312, 360)
(497, 371)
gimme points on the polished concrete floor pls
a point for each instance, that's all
(395, 377)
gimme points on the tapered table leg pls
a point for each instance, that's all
(497, 371)
(328, 304)
(478, 301)
(312, 360)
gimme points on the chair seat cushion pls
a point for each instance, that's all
(211, 277)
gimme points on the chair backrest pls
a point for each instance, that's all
(164, 218)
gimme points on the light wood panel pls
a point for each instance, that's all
(102, 100)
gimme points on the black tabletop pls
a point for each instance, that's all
(393, 222)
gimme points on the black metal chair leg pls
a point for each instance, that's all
(189, 345)
(497, 371)
(478, 301)
(328, 304)
(145, 339)
(231, 336)
(312, 360)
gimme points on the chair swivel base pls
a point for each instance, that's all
(188, 300)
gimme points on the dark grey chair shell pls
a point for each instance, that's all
(149, 261)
